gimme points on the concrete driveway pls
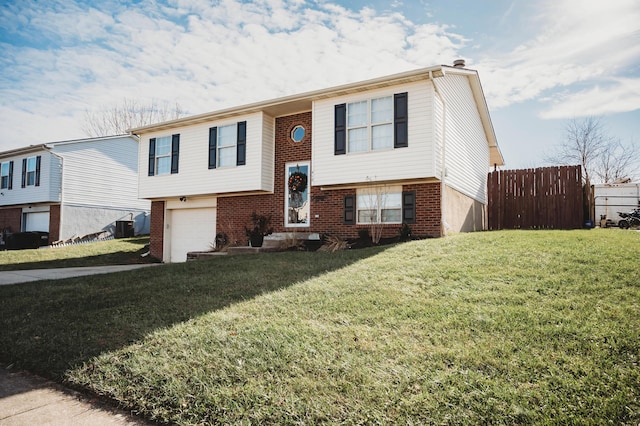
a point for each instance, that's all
(16, 277)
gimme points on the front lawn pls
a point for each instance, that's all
(510, 327)
(110, 252)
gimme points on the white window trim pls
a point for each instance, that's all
(160, 156)
(3, 176)
(234, 146)
(379, 192)
(35, 167)
(369, 125)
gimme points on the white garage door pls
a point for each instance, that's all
(191, 230)
(38, 221)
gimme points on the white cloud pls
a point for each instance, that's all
(580, 43)
(622, 95)
(204, 56)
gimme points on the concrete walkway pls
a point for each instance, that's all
(31, 400)
(16, 277)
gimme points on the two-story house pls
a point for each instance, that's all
(72, 188)
(409, 148)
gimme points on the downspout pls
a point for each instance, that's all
(61, 158)
(443, 169)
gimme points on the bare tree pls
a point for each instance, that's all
(602, 157)
(129, 113)
(617, 162)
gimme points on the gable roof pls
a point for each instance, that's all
(49, 145)
(303, 102)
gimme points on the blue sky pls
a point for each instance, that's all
(541, 62)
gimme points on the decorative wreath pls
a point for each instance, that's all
(297, 182)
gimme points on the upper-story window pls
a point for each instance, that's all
(164, 155)
(6, 175)
(227, 140)
(228, 145)
(31, 171)
(371, 125)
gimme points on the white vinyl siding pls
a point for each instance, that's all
(466, 151)
(413, 162)
(196, 177)
(101, 173)
(50, 180)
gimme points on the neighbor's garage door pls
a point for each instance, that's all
(191, 230)
(38, 221)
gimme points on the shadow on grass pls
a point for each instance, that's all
(48, 327)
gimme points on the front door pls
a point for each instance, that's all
(297, 188)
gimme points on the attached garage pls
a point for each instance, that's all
(190, 226)
(35, 221)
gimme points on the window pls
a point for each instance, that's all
(371, 125)
(6, 175)
(379, 205)
(227, 145)
(297, 134)
(163, 155)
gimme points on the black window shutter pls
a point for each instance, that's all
(152, 156)
(400, 120)
(10, 186)
(241, 147)
(175, 152)
(24, 172)
(38, 161)
(340, 143)
(349, 209)
(409, 207)
(213, 145)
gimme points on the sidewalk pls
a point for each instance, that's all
(16, 277)
(31, 400)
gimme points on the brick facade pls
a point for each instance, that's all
(11, 218)
(156, 242)
(327, 206)
(54, 222)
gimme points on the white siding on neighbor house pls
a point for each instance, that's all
(47, 192)
(83, 220)
(466, 147)
(414, 162)
(101, 173)
(194, 176)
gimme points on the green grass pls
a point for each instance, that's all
(112, 252)
(513, 327)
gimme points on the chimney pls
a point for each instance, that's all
(458, 63)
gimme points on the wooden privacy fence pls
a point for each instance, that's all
(542, 198)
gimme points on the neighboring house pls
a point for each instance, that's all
(72, 188)
(409, 148)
